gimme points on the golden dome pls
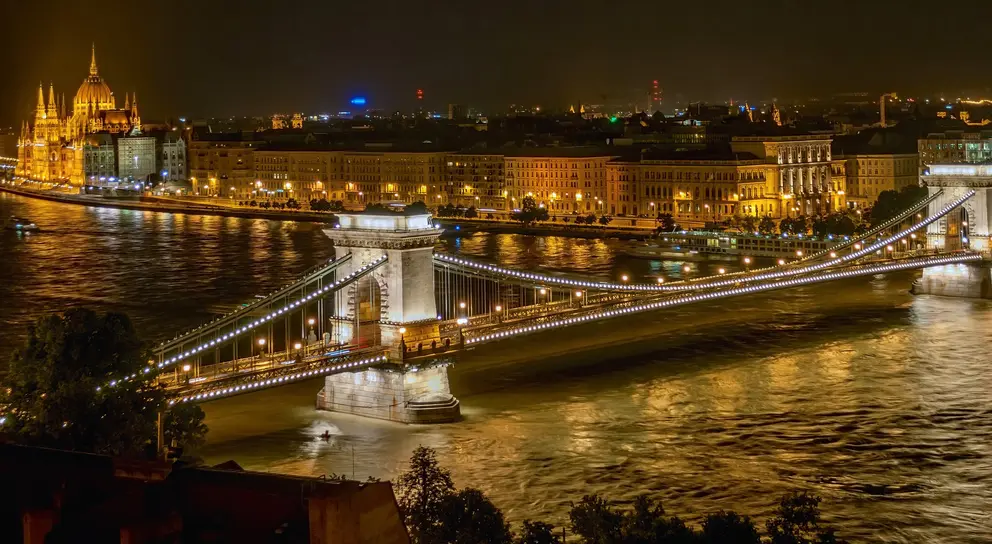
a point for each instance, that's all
(94, 89)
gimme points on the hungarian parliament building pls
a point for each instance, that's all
(54, 147)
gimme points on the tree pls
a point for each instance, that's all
(422, 491)
(537, 532)
(729, 528)
(605, 220)
(595, 521)
(314, 203)
(336, 206)
(292, 204)
(57, 394)
(590, 219)
(785, 225)
(471, 213)
(376, 208)
(798, 521)
(766, 225)
(800, 225)
(891, 203)
(749, 224)
(668, 223)
(530, 211)
(253, 203)
(416, 208)
(821, 226)
(469, 517)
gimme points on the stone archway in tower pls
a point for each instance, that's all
(368, 310)
(956, 233)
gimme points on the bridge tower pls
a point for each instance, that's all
(964, 228)
(392, 307)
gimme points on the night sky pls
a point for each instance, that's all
(254, 57)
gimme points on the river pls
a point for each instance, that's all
(878, 401)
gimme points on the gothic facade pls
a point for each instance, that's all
(51, 146)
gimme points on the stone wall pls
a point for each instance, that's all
(411, 396)
(956, 280)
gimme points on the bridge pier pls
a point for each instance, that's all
(401, 394)
(956, 280)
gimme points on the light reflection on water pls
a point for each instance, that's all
(876, 400)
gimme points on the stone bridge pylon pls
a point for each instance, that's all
(393, 307)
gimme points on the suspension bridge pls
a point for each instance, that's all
(381, 321)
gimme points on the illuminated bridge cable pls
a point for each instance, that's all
(335, 365)
(231, 318)
(532, 277)
(222, 339)
(788, 272)
(907, 213)
(863, 270)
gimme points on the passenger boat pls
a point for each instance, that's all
(704, 245)
(21, 224)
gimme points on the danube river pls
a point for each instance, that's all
(876, 400)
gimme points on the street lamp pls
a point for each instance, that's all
(543, 291)
(499, 308)
(722, 271)
(462, 305)
(661, 280)
(624, 277)
(781, 262)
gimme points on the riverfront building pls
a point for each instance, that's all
(51, 146)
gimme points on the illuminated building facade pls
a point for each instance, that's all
(870, 174)
(51, 146)
(955, 146)
(99, 158)
(300, 174)
(564, 180)
(172, 152)
(223, 164)
(392, 176)
(475, 180)
(798, 179)
(136, 157)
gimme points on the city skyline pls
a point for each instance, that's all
(215, 60)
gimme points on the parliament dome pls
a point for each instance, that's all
(94, 89)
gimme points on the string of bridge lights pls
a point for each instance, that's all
(235, 389)
(332, 263)
(260, 321)
(874, 269)
(890, 223)
(860, 252)
(552, 280)
(848, 241)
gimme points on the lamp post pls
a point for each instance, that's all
(261, 349)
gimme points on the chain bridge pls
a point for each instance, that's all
(382, 320)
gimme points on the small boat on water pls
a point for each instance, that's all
(20, 224)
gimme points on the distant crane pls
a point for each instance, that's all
(881, 106)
